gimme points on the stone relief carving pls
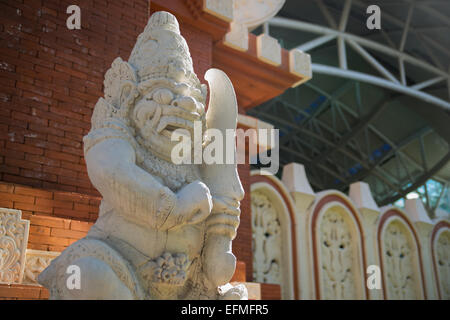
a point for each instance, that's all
(337, 257)
(443, 263)
(36, 262)
(398, 257)
(168, 268)
(266, 229)
(164, 230)
(13, 243)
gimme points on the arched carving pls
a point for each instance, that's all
(338, 249)
(274, 242)
(337, 256)
(13, 244)
(400, 258)
(440, 241)
(399, 265)
(266, 228)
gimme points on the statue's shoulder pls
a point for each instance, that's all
(107, 123)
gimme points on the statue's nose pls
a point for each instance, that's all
(187, 103)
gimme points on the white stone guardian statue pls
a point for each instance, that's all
(164, 231)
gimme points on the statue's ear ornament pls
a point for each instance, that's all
(119, 72)
(120, 94)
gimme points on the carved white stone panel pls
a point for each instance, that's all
(13, 243)
(442, 252)
(36, 262)
(339, 259)
(400, 263)
(266, 228)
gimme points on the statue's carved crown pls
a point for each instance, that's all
(162, 53)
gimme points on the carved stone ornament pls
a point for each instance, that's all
(398, 256)
(443, 263)
(266, 228)
(36, 262)
(13, 244)
(337, 257)
(164, 230)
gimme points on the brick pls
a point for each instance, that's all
(63, 233)
(61, 172)
(23, 164)
(29, 118)
(62, 156)
(34, 89)
(39, 230)
(22, 180)
(35, 246)
(33, 192)
(5, 187)
(43, 160)
(270, 291)
(17, 198)
(66, 196)
(44, 294)
(83, 207)
(71, 72)
(71, 213)
(36, 97)
(66, 113)
(80, 225)
(43, 144)
(50, 130)
(49, 240)
(24, 148)
(48, 221)
(19, 291)
(32, 207)
(64, 141)
(9, 169)
(54, 203)
(6, 204)
(38, 175)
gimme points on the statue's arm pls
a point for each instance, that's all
(133, 192)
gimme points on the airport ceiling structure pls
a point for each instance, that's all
(378, 106)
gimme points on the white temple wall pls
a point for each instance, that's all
(339, 239)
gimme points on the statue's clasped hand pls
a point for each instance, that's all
(194, 203)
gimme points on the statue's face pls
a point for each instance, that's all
(163, 110)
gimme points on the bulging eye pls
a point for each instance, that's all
(163, 96)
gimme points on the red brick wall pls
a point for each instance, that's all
(50, 80)
(57, 218)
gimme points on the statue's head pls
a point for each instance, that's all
(170, 94)
(157, 91)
